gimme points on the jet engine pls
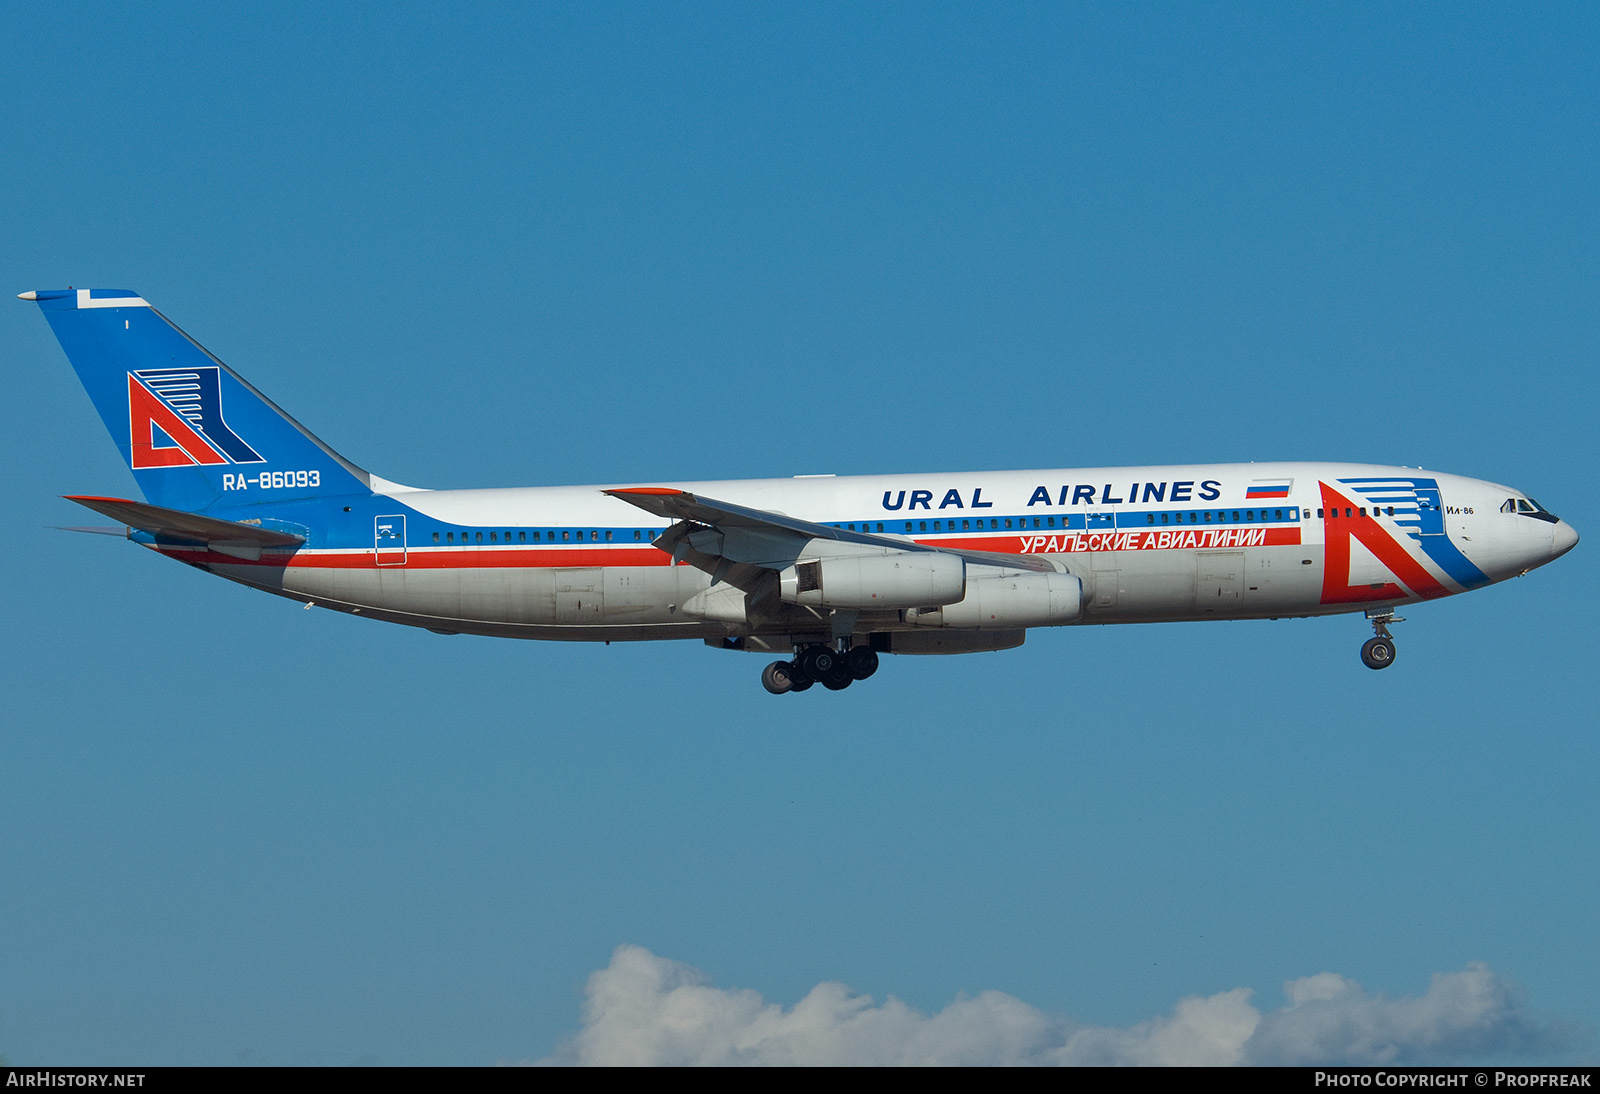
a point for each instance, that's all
(902, 579)
(1007, 601)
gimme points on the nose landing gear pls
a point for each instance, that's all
(1378, 652)
(833, 669)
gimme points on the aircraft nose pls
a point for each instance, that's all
(1563, 539)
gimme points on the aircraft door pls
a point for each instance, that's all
(1219, 581)
(580, 595)
(389, 540)
(1430, 511)
(1100, 523)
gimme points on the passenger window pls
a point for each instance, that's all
(480, 537)
(436, 537)
(494, 537)
(565, 536)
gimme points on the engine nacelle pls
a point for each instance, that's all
(1008, 601)
(903, 579)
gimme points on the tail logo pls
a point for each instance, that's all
(175, 420)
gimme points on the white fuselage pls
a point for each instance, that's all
(1146, 543)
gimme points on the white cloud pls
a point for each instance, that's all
(647, 1010)
(1463, 1015)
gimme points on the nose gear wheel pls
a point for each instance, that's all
(1378, 652)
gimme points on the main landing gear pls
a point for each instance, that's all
(1378, 652)
(834, 669)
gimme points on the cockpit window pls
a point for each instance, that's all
(1528, 507)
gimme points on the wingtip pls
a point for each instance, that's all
(29, 295)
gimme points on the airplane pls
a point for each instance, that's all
(826, 572)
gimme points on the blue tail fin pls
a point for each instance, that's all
(194, 433)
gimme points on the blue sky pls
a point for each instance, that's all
(585, 244)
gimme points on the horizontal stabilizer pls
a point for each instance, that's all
(175, 526)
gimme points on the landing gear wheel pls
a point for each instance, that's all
(778, 677)
(1377, 653)
(817, 662)
(801, 682)
(862, 661)
(838, 682)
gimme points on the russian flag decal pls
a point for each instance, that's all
(1264, 489)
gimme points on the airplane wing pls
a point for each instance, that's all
(758, 532)
(175, 526)
(673, 504)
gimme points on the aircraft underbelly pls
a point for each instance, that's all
(528, 596)
(1147, 586)
(1119, 586)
